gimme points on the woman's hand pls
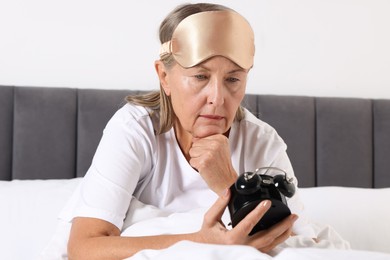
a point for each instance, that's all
(211, 157)
(213, 230)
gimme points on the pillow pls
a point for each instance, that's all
(361, 216)
(29, 210)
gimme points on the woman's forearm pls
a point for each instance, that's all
(117, 247)
(92, 238)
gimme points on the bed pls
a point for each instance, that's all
(339, 148)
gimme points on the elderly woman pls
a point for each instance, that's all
(182, 147)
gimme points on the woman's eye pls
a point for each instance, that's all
(231, 79)
(200, 77)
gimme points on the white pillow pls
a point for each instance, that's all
(28, 218)
(361, 216)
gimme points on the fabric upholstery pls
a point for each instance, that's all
(344, 142)
(6, 128)
(44, 133)
(52, 133)
(381, 143)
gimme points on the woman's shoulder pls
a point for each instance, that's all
(130, 112)
(254, 127)
(252, 121)
(133, 118)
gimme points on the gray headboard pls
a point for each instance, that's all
(52, 133)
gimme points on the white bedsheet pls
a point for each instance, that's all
(148, 220)
(195, 251)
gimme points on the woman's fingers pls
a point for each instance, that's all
(276, 241)
(245, 226)
(279, 228)
(214, 214)
(264, 240)
(267, 239)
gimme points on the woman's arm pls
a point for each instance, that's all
(92, 238)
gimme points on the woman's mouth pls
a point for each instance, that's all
(212, 117)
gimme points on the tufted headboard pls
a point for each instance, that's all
(52, 133)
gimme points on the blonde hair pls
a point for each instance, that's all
(157, 101)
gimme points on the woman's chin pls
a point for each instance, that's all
(206, 131)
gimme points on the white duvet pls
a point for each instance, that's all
(195, 251)
(148, 220)
(29, 210)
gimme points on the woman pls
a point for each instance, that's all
(184, 146)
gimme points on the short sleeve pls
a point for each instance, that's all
(123, 157)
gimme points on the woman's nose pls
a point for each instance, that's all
(215, 95)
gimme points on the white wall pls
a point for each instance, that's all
(304, 47)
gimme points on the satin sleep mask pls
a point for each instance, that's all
(203, 35)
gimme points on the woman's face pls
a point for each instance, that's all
(205, 98)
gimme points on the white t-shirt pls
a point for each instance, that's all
(132, 161)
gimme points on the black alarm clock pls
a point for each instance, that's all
(251, 188)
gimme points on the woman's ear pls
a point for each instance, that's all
(162, 75)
